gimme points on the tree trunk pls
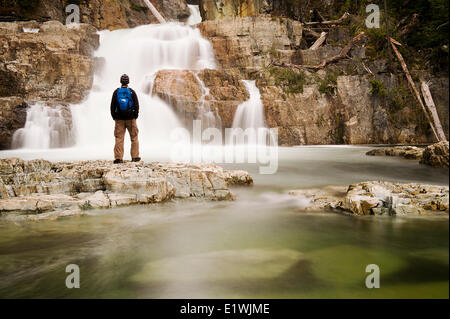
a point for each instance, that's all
(412, 85)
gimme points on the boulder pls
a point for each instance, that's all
(379, 198)
(192, 93)
(436, 155)
(408, 152)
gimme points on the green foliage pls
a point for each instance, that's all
(399, 98)
(291, 81)
(377, 88)
(329, 83)
(137, 7)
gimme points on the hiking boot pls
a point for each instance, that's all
(118, 161)
(136, 159)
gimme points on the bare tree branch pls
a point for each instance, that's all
(338, 21)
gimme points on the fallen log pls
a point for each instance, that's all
(432, 107)
(412, 85)
(312, 32)
(319, 41)
(343, 54)
(155, 12)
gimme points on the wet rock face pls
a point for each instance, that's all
(379, 198)
(102, 14)
(13, 114)
(63, 188)
(251, 43)
(436, 155)
(189, 92)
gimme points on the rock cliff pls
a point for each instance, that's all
(102, 14)
(353, 101)
(295, 9)
(252, 43)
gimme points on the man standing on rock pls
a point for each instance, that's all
(125, 111)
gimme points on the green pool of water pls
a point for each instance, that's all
(259, 246)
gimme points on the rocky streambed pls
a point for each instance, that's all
(39, 189)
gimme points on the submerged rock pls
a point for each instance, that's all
(436, 155)
(68, 188)
(380, 198)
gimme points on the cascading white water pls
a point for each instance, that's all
(195, 16)
(140, 53)
(208, 117)
(45, 127)
(250, 114)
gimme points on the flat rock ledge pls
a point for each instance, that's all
(39, 189)
(378, 198)
(436, 155)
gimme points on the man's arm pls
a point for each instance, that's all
(113, 105)
(135, 104)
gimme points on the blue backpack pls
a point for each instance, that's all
(125, 100)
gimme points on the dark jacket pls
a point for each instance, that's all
(115, 112)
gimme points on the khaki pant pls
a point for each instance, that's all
(119, 133)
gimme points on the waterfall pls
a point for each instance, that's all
(140, 53)
(45, 127)
(195, 17)
(250, 115)
(208, 117)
